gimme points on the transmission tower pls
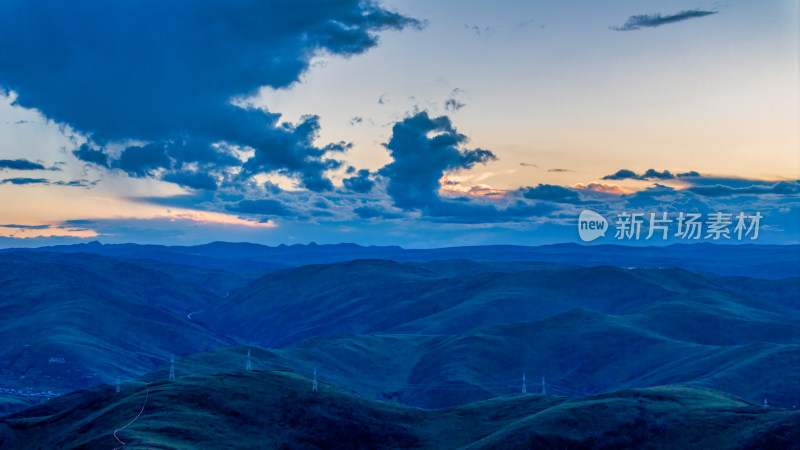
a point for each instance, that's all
(249, 365)
(524, 388)
(314, 386)
(766, 405)
(117, 384)
(544, 391)
(171, 367)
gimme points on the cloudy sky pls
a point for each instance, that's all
(411, 123)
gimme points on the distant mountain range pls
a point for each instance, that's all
(760, 261)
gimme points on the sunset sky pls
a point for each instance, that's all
(410, 123)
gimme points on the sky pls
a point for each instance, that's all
(412, 123)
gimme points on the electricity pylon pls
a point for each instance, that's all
(524, 388)
(171, 367)
(544, 391)
(249, 365)
(314, 386)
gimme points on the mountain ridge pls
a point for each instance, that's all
(755, 260)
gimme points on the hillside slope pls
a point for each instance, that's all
(71, 321)
(433, 336)
(376, 296)
(278, 410)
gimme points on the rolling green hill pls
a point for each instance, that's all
(368, 296)
(71, 321)
(426, 334)
(279, 410)
(431, 336)
(394, 337)
(580, 353)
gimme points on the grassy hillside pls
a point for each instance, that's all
(71, 321)
(579, 352)
(368, 296)
(278, 410)
(426, 334)
(392, 337)
(447, 336)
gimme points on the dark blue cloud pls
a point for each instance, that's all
(361, 183)
(88, 154)
(321, 203)
(75, 183)
(369, 212)
(298, 155)
(653, 174)
(320, 213)
(143, 160)
(423, 149)
(452, 104)
(161, 72)
(721, 190)
(267, 207)
(650, 174)
(20, 164)
(193, 180)
(76, 224)
(194, 200)
(376, 210)
(656, 20)
(26, 227)
(467, 212)
(552, 193)
(622, 174)
(272, 188)
(21, 181)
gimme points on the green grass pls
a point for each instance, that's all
(278, 410)
(431, 335)
(104, 317)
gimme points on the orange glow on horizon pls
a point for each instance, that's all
(60, 229)
(451, 186)
(604, 188)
